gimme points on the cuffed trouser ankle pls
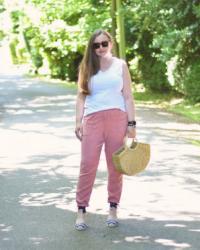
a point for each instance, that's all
(104, 127)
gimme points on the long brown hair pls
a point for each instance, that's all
(90, 63)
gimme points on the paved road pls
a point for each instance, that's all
(39, 164)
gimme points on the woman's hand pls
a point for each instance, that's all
(79, 131)
(131, 132)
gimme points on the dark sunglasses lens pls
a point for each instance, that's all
(96, 45)
(104, 44)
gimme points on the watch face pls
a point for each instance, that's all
(132, 123)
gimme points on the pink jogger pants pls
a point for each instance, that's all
(104, 127)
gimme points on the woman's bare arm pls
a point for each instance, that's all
(129, 100)
(80, 100)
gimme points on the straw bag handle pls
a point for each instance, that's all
(133, 144)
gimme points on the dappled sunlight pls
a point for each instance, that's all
(162, 193)
(39, 171)
(175, 225)
(4, 228)
(19, 112)
(43, 199)
(40, 154)
(36, 240)
(137, 239)
(62, 119)
(171, 243)
(23, 145)
(38, 199)
(194, 230)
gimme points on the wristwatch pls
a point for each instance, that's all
(132, 124)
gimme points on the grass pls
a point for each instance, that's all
(195, 142)
(170, 102)
(190, 111)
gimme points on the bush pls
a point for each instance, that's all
(154, 75)
(192, 82)
(134, 70)
(62, 47)
(37, 61)
(57, 65)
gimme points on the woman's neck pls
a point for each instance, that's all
(106, 62)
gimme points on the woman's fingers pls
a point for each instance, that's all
(79, 132)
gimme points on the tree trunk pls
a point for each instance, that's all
(114, 27)
(120, 27)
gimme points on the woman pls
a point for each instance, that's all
(105, 114)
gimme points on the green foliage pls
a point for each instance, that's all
(15, 16)
(33, 42)
(2, 32)
(13, 51)
(37, 59)
(2, 7)
(188, 109)
(2, 35)
(160, 30)
(134, 70)
(142, 26)
(180, 37)
(192, 82)
(153, 75)
(169, 101)
(157, 32)
(64, 30)
(62, 48)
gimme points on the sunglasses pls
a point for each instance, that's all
(104, 44)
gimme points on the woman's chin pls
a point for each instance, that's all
(104, 55)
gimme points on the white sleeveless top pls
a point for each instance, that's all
(106, 89)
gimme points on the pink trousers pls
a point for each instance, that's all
(104, 127)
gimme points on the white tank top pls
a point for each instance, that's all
(106, 89)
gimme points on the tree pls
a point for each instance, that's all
(117, 15)
(158, 32)
(114, 26)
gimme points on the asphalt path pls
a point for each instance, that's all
(39, 166)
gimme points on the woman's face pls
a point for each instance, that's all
(102, 46)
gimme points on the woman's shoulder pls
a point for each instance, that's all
(120, 60)
(118, 65)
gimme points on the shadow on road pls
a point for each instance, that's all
(36, 216)
(39, 166)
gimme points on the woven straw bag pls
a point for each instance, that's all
(132, 160)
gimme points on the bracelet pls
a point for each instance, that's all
(132, 123)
